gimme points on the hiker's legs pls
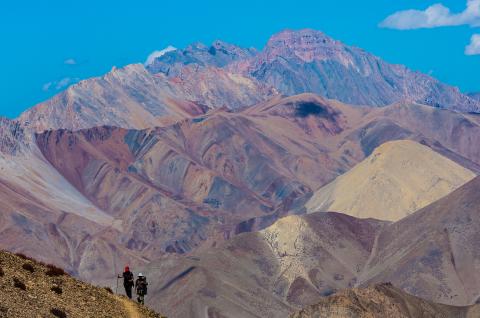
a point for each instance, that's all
(128, 291)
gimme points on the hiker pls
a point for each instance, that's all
(127, 281)
(141, 288)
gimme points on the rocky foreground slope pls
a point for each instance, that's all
(382, 301)
(32, 289)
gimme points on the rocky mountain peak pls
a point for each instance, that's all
(218, 54)
(304, 37)
(236, 52)
(306, 44)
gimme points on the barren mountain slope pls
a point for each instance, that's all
(30, 289)
(397, 179)
(268, 273)
(202, 179)
(42, 214)
(433, 253)
(382, 301)
(132, 97)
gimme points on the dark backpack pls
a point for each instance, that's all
(128, 279)
(142, 286)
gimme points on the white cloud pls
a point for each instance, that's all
(157, 54)
(474, 47)
(434, 16)
(64, 82)
(60, 84)
(70, 62)
(47, 86)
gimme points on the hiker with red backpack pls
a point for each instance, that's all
(127, 281)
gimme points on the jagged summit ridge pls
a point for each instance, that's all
(218, 54)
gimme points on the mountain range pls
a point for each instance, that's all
(307, 60)
(297, 260)
(202, 179)
(189, 82)
(251, 183)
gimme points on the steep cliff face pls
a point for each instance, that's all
(12, 137)
(475, 96)
(309, 61)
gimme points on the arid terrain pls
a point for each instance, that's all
(299, 259)
(32, 289)
(249, 183)
(382, 301)
(397, 179)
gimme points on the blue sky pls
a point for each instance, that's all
(48, 44)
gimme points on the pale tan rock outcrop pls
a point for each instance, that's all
(397, 179)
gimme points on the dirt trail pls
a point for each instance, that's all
(130, 308)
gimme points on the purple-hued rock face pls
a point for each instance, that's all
(307, 45)
(309, 61)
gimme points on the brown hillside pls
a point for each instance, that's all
(381, 301)
(31, 289)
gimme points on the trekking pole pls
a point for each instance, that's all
(115, 270)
